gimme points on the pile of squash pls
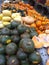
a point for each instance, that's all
(16, 44)
(40, 21)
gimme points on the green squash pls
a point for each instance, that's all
(24, 62)
(5, 31)
(21, 55)
(2, 60)
(25, 35)
(21, 29)
(12, 61)
(14, 24)
(27, 45)
(35, 58)
(32, 29)
(33, 33)
(2, 49)
(15, 39)
(11, 48)
(5, 39)
(14, 32)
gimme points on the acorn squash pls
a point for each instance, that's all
(24, 62)
(21, 29)
(14, 24)
(15, 39)
(11, 48)
(14, 32)
(21, 55)
(5, 39)
(25, 35)
(12, 61)
(5, 31)
(27, 45)
(35, 58)
(33, 33)
(2, 60)
(2, 49)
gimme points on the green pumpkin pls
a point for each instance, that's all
(5, 31)
(2, 49)
(15, 39)
(35, 58)
(24, 62)
(14, 32)
(12, 61)
(14, 24)
(25, 35)
(32, 29)
(33, 33)
(5, 39)
(2, 60)
(9, 26)
(21, 55)
(21, 29)
(27, 45)
(11, 48)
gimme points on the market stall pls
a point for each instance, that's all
(24, 34)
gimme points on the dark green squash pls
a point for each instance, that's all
(5, 31)
(25, 35)
(22, 12)
(14, 32)
(15, 39)
(2, 49)
(5, 39)
(35, 58)
(9, 26)
(14, 24)
(32, 29)
(21, 29)
(24, 62)
(2, 60)
(12, 61)
(21, 55)
(11, 48)
(27, 45)
(33, 33)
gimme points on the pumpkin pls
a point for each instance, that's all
(2, 60)
(5, 31)
(33, 33)
(11, 48)
(14, 24)
(28, 19)
(21, 55)
(12, 60)
(27, 45)
(24, 62)
(25, 35)
(5, 39)
(15, 39)
(14, 32)
(21, 29)
(35, 58)
(2, 49)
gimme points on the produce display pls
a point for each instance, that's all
(22, 32)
